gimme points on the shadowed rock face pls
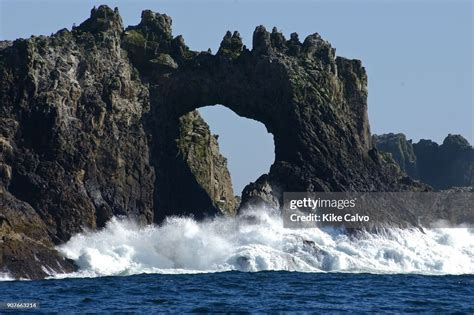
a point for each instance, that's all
(444, 166)
(100, 121)
(401, 150)
(26, 248)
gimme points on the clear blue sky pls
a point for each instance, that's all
(418, 55)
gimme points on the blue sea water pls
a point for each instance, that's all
(267, 291)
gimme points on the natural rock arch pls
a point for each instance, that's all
(314, 104)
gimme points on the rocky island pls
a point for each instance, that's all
(101, 121)
(444, 166)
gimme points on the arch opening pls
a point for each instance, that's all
(246, 144)
(193, 176)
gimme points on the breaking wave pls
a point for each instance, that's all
(5, 276)
(258, 241)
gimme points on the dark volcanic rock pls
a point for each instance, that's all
(26, 249)
(200, 150)
(401, 150)
(98, 121)
(450, 164)
(73, 111)
(444, 166)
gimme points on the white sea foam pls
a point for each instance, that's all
(5, 276)
(259, 242)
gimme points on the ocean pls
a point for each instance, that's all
(266, 291)
(254, 264)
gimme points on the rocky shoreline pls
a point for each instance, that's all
(100, 121)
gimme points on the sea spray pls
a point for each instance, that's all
(257, 241)
(5, 276)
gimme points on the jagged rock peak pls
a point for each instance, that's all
(103, 19)
(277, 39)
(294, 44)
(294, 37)
(159, 24)
(314, 45)
(456, 141)
(231, 45)
(261, 42)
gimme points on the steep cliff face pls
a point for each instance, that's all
(200, 149)
(79, 149)
(444, 166)
(100, 121)
(401, 150)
